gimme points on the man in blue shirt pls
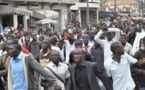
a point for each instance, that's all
(21, 70)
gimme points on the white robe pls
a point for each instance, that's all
(137, 41)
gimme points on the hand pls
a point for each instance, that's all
(56, 87)
(50, 83)
(136, 70)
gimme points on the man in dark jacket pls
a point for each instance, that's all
(83, 74)
(140, 71)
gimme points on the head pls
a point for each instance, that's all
(71, 37)
(131, 30)
(46, 43)
(34, 36)
(109, 36)
(104, 26)
(27, 39)
(41, 37)
(26, 33)
(78, 44)
(117, 48)
(78, 55)
(14, 50)
(92, 34)
(85, 38)
(54, 40)
(59, 44)
(55, 56)
(20, 26)
(123, 39)
(9, 42)
(74, 31)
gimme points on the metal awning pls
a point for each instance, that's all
(5, 10)
(84, 5)
(46, 21)
(43, 14)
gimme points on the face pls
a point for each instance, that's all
(8, 43)
(123, 40)
(74, 31)
(120, 49)
(78, 56)
(71, 37)
(78, 45)
(131, 31)
(55, 57)
(104, 26)
(59, 45)
(12, 51)
(85, 39)
(109, 36)
(34, 36)
(45, 45)
(41, 38)
(27, 40)
(91, 34)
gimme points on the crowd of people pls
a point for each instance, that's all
(106, 56)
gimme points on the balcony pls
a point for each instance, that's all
(51, 1)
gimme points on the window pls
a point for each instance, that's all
(83, 0)
(3, 3)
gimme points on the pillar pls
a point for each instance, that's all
(1, 27)
(97, 16)
(1, 20)
(63, 18)
(79, 16)
(25, 18)
(15, 21)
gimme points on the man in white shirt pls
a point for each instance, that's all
(127, 46)
(118, 68)
(105, 43)
(58, 68)
(87, 44)
(70, 46)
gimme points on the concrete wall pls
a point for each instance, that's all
(64, 9)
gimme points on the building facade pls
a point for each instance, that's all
(80, 10)
(121, 5)
(13, 18)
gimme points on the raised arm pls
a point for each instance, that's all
(117, 33)
(97, 38)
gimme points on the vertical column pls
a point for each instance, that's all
(63, 18)
(79, 16)
(15, 21)
(97, 16)
(1, 20)
(1, 27)
(25, 18)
